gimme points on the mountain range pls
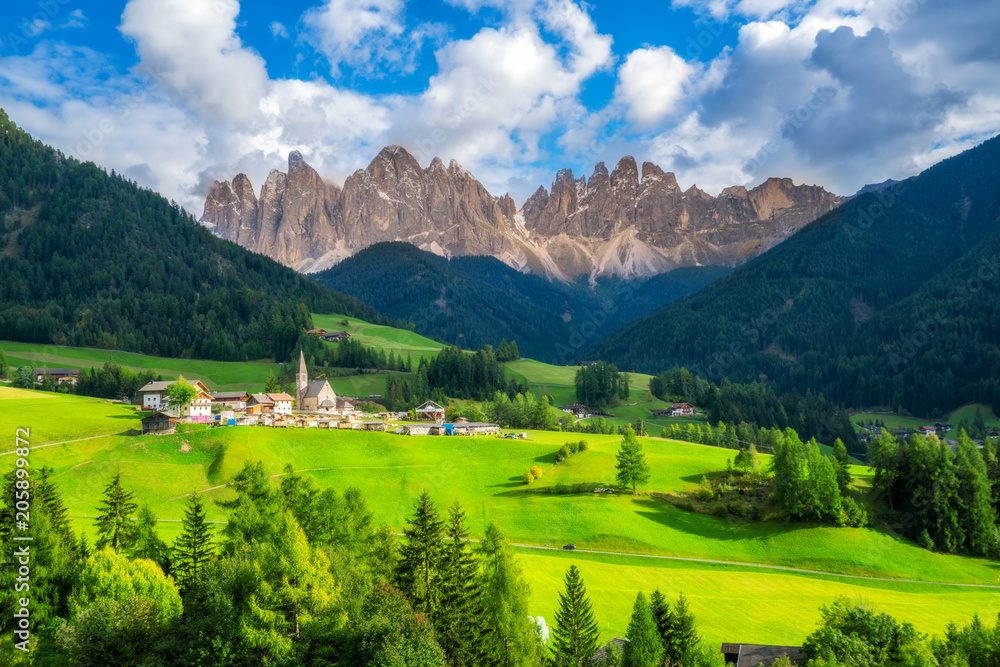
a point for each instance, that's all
(626, 223)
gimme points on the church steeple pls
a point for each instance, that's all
(301, 380)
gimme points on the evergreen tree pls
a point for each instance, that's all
(631, 466)
(193, 547)
(114, 525)
(419, 571)
(3, 365)
(460, 622)
(644, 648)
(146, 543)
(575, 634)
(683, 635)
(512, 639)
(664, 618)
(978, 517)
(271, 384)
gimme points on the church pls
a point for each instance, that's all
(315, 396)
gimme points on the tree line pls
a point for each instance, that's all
(600, 385)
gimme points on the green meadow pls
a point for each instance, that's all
(965, 412)
(484, 475)
(386, 338)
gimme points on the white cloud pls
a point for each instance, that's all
(191, 47)
(651, 84)
(279, 30)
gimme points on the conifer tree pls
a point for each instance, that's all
(146, 543)
(460, 622)
(632, 467)
(644, 648)
(663, 616)
(978, 516)
(683, 635)
(419, 572)
(511, 639)
(575, 634)
(3, 365)
(193, 548)
(114, 526)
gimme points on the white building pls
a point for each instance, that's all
(153, 396)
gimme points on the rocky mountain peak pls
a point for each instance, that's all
(611, 224)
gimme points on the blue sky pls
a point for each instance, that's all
(178, 93)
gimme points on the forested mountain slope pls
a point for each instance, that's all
(476, 300)
(890, 300)
(90, 259)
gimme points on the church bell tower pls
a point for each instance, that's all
(301, 380)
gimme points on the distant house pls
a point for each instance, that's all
(232, 400)
(260, 404)
(153, 395)
(200, 409)
(345, 405)
(927, 430)
(159, 423)
(317, 332)
(318, 395)
(681, 409)
(587, 363)
(752, 655)
(336, 336)
(282, 403)
(60, 375)
(577, 410)
(430, 410)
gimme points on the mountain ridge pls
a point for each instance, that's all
(626, 223)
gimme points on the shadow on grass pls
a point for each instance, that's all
(711, 527)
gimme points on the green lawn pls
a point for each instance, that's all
(382, 337)
(215, 374)
(484, 475)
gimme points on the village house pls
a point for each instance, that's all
(587, 363)
(336, 336)
(317, 332)
(681, 409)
(282, 403)
(472, 428)
(200, 409)
(60, 375)
(577, 410)
(430, 410)
(260, 404)
(231, 400)
(752, 655)
(153, 395)
(159, 423)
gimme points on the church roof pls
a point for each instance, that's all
(302, 363)
(314, 388)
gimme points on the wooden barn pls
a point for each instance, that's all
(159, 423)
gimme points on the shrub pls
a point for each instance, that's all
(925, 540)
(854, 514)
(536, 471)
(582, 446)
(720, 510)
(737, 508)
(564, 451)
(560, 488)
(560, 458)
(704, 495)
(528, 478)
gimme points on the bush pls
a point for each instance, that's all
(925, 540)
(737, 508)
(854, 514)
(536, 471)
(564, 451)
(720, 510)
(528, 478)
(582, 446)
(704, 495)
(560, 488)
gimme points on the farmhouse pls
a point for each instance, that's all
(587, 363)
(752, 655)
(260, 404)
(430, 410)
(159, 423)
(153, 395)
(282, 403)
(317, 332)
(200, 409)
(577, 410)
(60, 375)
(231, 400)
(336, 336)
(680, 409)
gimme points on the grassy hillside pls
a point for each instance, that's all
(558, 380)
(483, 474)
(385, 338)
